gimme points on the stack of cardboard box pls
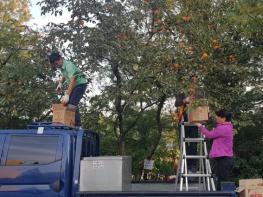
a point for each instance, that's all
(250, 188)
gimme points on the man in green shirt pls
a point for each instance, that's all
(75, 79)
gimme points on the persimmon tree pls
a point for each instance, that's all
(147, 51)
(122, 42)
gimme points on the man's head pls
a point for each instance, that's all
(194, 77)
(56, 60)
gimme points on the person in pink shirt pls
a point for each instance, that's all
(222, 147)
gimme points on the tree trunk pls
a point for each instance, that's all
(159, 126)
(119, 109)
(159, 130)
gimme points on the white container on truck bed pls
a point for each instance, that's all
(106, 173)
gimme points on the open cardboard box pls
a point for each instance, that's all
(64, 114)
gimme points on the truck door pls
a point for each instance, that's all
(30, 166)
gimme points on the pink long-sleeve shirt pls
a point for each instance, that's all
(222, 137)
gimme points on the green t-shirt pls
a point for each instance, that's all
(69, 70)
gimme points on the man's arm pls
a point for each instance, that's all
(62, 80)
(71, 85)
(60, 85)
(181, 99)
(65, 98)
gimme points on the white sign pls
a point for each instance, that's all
(40, 130)
(97, 164)
(170, 146)
(148, 164)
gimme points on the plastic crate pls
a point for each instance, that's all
(228, 186)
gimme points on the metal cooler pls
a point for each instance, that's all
(106, 173)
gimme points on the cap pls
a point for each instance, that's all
(54, 56)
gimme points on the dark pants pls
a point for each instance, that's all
(191, 148)
(223, 168)
(74, 99)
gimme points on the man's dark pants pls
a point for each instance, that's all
(74, 99)
(191, 148)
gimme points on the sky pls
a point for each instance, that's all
(38, 21)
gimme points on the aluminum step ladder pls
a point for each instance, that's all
(204, 174)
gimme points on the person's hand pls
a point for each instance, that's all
(65, 99)
(192, 97)
(187, 100)
(198, 124)
(59, 88)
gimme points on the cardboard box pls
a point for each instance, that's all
(250, 188)
(198, 114)
(250, 192)
(250, 182)
(64, 114)
(255, 192)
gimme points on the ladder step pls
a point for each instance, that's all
(195, 156)
(194, 139)
(196, 175)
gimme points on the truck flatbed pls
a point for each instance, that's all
(160, 189)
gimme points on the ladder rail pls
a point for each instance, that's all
(185, 167)
(181, 178)
(209, 169)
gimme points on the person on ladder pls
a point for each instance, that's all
(190, 131)
(222, 146)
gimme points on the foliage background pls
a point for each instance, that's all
(142, 53)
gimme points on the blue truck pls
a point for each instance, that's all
(44, 161)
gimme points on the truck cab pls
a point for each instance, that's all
(43, 160)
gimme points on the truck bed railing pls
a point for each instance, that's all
(49, 125)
